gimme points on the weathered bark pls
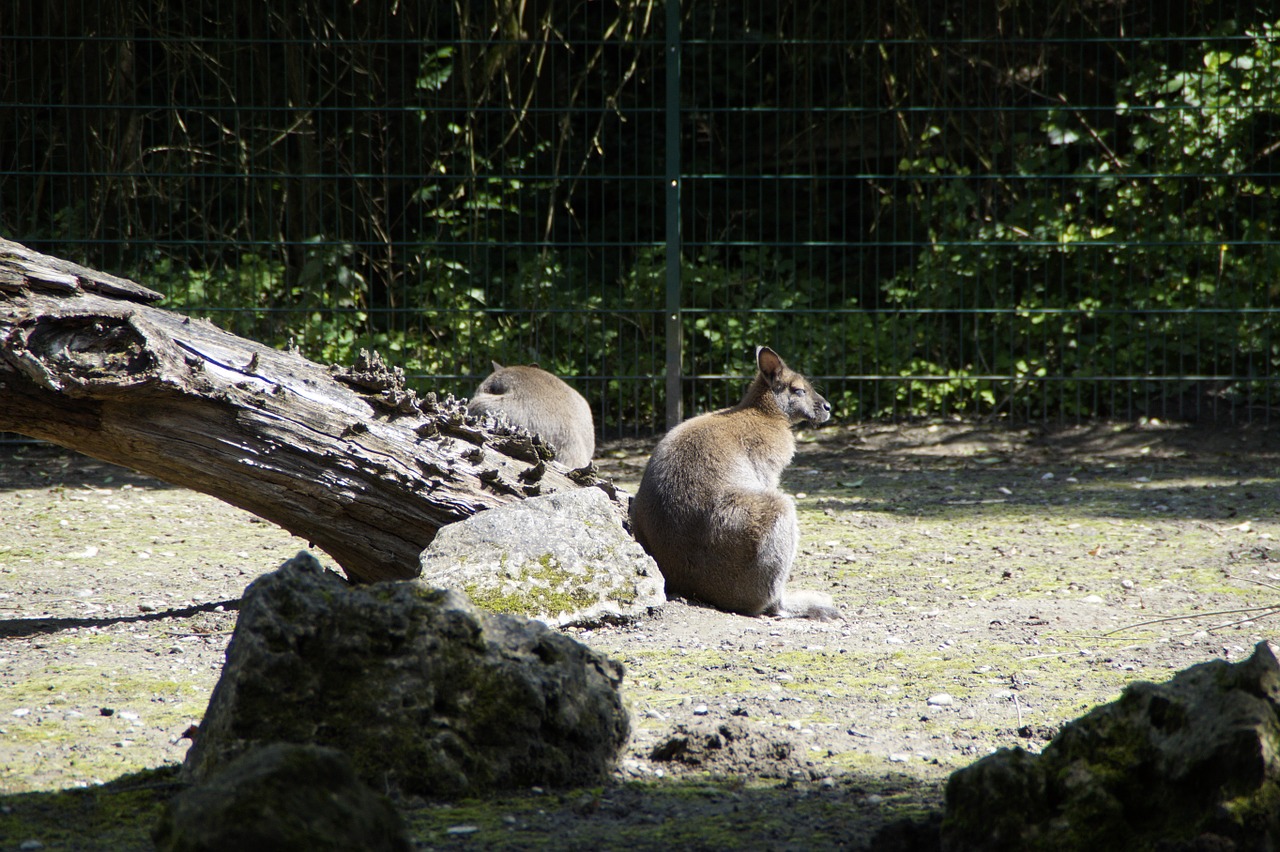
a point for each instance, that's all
(349, 459)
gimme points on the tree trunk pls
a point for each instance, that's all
(347, 458)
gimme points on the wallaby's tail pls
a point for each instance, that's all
(806, 604)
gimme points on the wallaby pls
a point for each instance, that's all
(533, 398)
(709, 511)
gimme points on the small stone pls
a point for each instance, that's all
(899, 758)
(462, 829)
(700, 710)
(940, 700)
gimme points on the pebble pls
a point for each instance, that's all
(940, 700)
(700, 710)
(899, 758)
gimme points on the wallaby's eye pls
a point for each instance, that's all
(798, 391)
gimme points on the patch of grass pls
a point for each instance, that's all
(116, 816)
(692, 813)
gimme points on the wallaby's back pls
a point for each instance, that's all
(542, 403)
(709, 510)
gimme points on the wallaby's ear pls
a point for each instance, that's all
(769, 362)
(496, 366)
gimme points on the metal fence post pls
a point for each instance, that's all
(674, 326)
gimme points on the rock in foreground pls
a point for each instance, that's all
(564, 559)
(282, 797)
(1188, 764)
(422, 690)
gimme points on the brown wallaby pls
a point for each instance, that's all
(709, 511)
(533, 398)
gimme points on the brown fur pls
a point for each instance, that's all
(709, 511)
(546, 406)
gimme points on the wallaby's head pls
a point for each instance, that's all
(788, 391)
(494, 383)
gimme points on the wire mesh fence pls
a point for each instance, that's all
(1043, 212)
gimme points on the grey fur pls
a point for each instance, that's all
(709, 511)
(533, 398)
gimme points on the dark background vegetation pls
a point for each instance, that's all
(1035, 210)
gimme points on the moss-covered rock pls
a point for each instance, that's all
(1164, 766)
(565, 559)
(421, 689)
(282, 797)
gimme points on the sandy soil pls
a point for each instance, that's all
(983, 574)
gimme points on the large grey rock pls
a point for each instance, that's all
(1188, 764)
(425, 692)
(284, 798)
(565, 559)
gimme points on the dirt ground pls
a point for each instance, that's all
(994, 583)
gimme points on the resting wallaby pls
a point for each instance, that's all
(709, 511)
(533, 398)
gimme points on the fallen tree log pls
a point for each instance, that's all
(347, 458)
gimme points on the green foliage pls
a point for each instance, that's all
(438, 204)
(1105, 261)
